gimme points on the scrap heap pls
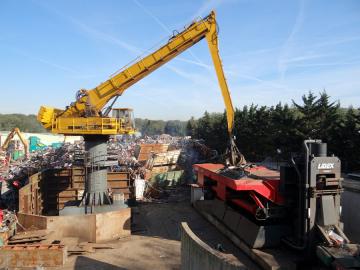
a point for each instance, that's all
(161, 160)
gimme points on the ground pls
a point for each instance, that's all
(155, 242)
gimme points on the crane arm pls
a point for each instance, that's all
(21, 137)
(91, 102)
(212, 40)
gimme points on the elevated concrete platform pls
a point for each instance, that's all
(90, 228)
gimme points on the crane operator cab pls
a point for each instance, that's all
(125, 117)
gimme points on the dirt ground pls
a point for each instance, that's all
(155, 240)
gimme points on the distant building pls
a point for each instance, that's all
(45, 138)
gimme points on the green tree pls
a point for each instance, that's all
(318, 116)
(348, 140)
(219, 139)
(284, 131)
(191, 127)
(174, 128)
(204, 127)
(156, 127)
(308, 115)
(26, 123)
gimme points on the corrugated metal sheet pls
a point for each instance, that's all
(48, 191)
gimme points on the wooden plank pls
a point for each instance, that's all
(123, 190)
(26, 240)
(143, 151)
(29, 234)
(118, 176)
(96, 245)
(78, 178)
(68, 193)
(78, 250)
(167, 158)
(78, 171)
(118, 184)
(162, 169)
(63, 201)
(64, 172)
(78, 185)
(143, 156)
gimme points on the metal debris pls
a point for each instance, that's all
(121, 157)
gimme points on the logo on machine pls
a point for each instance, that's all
(323, 166)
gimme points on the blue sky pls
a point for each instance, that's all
(272, 51)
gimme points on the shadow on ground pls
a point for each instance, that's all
(85, 263)
(163, 220)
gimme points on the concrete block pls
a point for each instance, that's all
(90, 228)
(257, 236)
(197, 193)
(218, 209)
(231, 219)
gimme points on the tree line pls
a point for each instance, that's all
(155, 127)
(26, 123)
(260, 131)
(29, 123)
(278, 131)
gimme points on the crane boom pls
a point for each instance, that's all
(84, 115)
(16, 131)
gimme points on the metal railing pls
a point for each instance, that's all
(91, 125)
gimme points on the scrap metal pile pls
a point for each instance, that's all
(144, 158)
(55, 158)
(8, 220)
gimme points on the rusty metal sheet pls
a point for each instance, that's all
(32, 256)
(143, 151)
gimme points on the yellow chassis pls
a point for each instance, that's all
(90, 126)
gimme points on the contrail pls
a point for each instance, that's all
(282, 62)
(163, 26)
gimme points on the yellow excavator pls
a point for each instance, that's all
(88, 115)
(16, 131)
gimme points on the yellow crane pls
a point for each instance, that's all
(87, 116)
(16, 131)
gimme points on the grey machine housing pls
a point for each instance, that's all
(312, 187)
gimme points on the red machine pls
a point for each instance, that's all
(255, 190)
(297, 207)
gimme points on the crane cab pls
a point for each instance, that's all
(125, 117)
